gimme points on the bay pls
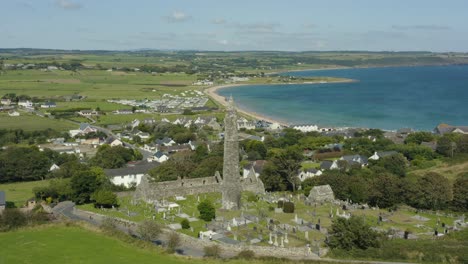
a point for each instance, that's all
(386, 98)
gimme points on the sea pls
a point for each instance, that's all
(387, 98)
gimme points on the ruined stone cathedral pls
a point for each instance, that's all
(231, 185)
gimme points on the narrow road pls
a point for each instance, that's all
(67, 209)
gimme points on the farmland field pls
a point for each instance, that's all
(29, 122)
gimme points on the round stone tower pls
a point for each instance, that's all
(231, 185)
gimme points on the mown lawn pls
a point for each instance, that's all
(20, 192)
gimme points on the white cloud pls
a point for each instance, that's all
(67, 4)
(218, 21)
(223, 42)
(178, 16)
(420, 27)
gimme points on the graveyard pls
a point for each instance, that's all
(261, 222)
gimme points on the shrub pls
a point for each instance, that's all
(104, 198)
(108, 224)
(12, 218)
(252, 198)
(149, 230)
(288, 207)
(352, 233)
(280, 204)
(185, 223)
(207, 210)
(246, 254)
(173, 242)
(212, 251)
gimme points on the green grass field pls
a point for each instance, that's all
(57, 243)
(29, 122)
(61, 244)
(20, 192)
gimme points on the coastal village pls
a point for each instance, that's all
(271, 188)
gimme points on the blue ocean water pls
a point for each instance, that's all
(385, 98)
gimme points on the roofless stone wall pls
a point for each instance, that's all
(148, 190)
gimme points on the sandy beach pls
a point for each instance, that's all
(220, 99)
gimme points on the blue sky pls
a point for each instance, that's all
(294, 25)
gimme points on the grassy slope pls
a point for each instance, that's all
(60, 244)
(21, 191)
(449, 170)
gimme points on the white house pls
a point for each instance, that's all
(306, 128)
(248, 125)
(84, 129)
(116, 143)
(159, 157)
(26, 103)
(329, 165)
(87, 113)
(130, 175)
(5, 101)
(143, 135)
(308, 173)
(253, 168)
(379, 155)
(166, 141)
(54, 167)
(13, 113)
(275, 126)
(49, 105)
(135, 123)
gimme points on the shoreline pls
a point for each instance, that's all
(359, 67)
(212, 92)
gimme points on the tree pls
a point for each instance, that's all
(185, 223)
(395, 164)
(419, 137)
(460, 193)
(386, 191)
(208, 167)
(23, 164)
(207, 210)
(446, 146)
(173, 241)
(256, 146)
(352, 233)
(104, 198)
(85, 183)
(433, 191)
(149, 230)
(287, 163)
(272, 179)
(213, 251)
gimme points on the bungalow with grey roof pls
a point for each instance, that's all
(159, 156)
(166, 141)
(329, 165)
(380, 154)
(355, 160)
(444, 129)
(48, 105)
